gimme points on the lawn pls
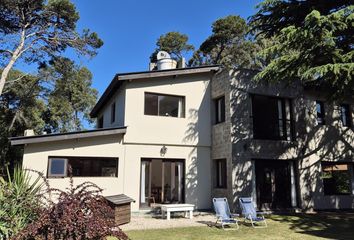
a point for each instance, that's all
(304, 226)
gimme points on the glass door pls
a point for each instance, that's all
(172, 182)
(161, 181)
(145, 183)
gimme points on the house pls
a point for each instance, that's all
(284, 145)
(192, 133)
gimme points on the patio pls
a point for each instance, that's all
(324, 225)
(145, 222)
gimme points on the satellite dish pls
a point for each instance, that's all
(162, 55)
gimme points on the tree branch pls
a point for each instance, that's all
(17, 79)
(6, 51)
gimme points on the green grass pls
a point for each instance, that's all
(314, 226)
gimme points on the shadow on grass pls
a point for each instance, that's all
(331, 225)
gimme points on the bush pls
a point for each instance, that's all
(18, 201)
(79, 213)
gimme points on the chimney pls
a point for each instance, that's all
(28, 132)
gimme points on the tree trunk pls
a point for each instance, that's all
(15, 55)
(13, 120)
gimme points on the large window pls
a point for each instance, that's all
(83, 166)
(164, 105)
(337, 178)
(219, 109)
(345, 115)
(220, 173)
(320, 113)
(272, 118)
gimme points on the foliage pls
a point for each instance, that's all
(229, 45)
(37, 30)
(21, 107)
(72, 98)
(80, 212)
(316, 49)
(56, 100)
(275, 15)
(174, 43)
(19, 202)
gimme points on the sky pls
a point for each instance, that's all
(130, 28)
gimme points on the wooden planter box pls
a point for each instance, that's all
(121, 206)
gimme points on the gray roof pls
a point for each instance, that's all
(120, 199)
(66, 136)
(121, 77)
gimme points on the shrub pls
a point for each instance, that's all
(19, 202)
(78, 213)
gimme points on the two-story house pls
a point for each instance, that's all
(189, 134)
(282, 144)
(152, 142)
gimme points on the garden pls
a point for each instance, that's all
(28, 211)
(298, 226)
(31, 209)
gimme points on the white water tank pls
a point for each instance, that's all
(164, 61)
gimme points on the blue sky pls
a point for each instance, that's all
(130, 29)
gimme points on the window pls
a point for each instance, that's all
(113, 112)
(57, 167)
(337, 178)
(220, 173)
(164, 105)
(345, 115)
(220, 110)
(100, 122)
(272, 118)
(83, 167)
(320, 113)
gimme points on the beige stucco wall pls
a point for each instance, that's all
(197, 165)
(36, 158)
(119, 99)
(186, 138)
(194, 129)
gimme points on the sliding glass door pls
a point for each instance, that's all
(162, 181)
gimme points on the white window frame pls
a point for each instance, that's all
(50, 167)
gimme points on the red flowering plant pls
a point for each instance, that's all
(78, 213)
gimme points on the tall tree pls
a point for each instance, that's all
(72, 97)
(174, 43)
(229, 45)
(21, 107)
(315, 43)
(36, 30)
(274, 15)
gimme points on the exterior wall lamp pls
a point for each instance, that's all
(163, 151)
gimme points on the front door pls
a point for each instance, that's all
(273, 184)
(161, 181)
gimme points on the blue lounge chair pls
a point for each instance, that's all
(223, 214)
(250, 214)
